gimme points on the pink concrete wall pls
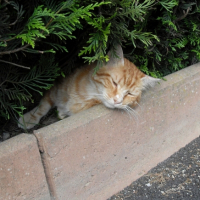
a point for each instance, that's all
(98, 152)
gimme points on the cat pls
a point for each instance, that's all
(117, 84)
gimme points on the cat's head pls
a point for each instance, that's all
(120, 82)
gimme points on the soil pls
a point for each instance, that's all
(10, 129)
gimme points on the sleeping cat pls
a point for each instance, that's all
(118, 84)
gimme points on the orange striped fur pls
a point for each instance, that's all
(118, 84)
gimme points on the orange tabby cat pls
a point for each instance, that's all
(118, 84)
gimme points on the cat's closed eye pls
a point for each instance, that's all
(114, 83)
(130, 94)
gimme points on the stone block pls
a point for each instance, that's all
(21, 171)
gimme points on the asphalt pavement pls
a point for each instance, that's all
(178, 177)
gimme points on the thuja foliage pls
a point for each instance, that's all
(177, 24)
(24, 31)
(42, 39)
(17, 86)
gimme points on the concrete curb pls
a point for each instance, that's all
(98, 152)
(21, 171)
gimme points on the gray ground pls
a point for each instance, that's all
(178, 177)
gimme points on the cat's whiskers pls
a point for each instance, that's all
(106, 96)
(127, 111)
(97, 95)
(139, 105)
(124, 107)
(131, 111)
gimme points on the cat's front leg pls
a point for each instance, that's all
(30, 119)
(63, 112)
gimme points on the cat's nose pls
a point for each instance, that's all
(117, 99)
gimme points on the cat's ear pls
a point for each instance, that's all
(148, 81)
(116, 57)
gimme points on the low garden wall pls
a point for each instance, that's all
(98, 152)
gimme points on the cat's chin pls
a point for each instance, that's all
(113, 106)
(108, 105)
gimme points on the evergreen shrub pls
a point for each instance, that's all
(42, 39)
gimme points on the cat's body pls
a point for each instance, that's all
(118, 84)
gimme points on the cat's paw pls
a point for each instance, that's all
(25, 122)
